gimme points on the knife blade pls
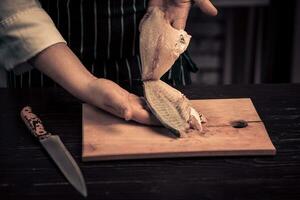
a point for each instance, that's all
(56, 149)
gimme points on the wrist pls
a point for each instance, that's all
(89, 90)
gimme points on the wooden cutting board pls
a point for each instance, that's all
(106, 137)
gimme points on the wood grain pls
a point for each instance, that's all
(106, 137)
(26, 172)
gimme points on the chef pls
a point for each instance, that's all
(29, 39)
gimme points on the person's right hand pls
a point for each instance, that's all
(61, 64)
(110, 97)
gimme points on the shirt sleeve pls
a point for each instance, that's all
(25, 30)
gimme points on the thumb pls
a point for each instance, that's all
(207, 7)
(179, 24)
(178, 16)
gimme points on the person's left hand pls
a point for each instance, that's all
(177, 10)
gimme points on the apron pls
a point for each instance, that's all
(104, 35)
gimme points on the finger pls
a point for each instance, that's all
(122, 112)
(155, 3)
(127, 114)
(177, 16)
(179, 24)
(207, 7)
(126, 108)
(119, 107)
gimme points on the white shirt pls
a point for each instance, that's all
(25, 30)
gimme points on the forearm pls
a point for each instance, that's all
(61, 64)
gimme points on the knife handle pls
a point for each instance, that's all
(33, 123)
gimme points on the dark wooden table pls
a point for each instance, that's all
(27, 172)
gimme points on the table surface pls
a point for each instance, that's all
(26, 170)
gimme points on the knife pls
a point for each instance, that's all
(56, 149)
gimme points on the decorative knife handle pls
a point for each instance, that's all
(33, 123)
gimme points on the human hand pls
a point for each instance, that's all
(176, 11)
(110, 97)
(61, 64)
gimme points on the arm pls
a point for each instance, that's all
(60, 64)
(28, 34)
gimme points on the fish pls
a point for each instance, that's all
(160, 46)
(172, 108)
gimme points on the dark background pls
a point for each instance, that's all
(250, 41)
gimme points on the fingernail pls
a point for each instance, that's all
(127, 115)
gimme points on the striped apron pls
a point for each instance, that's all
(104, 35)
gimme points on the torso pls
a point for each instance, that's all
(105, 36)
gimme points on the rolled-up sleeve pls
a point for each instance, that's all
(25, 30)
